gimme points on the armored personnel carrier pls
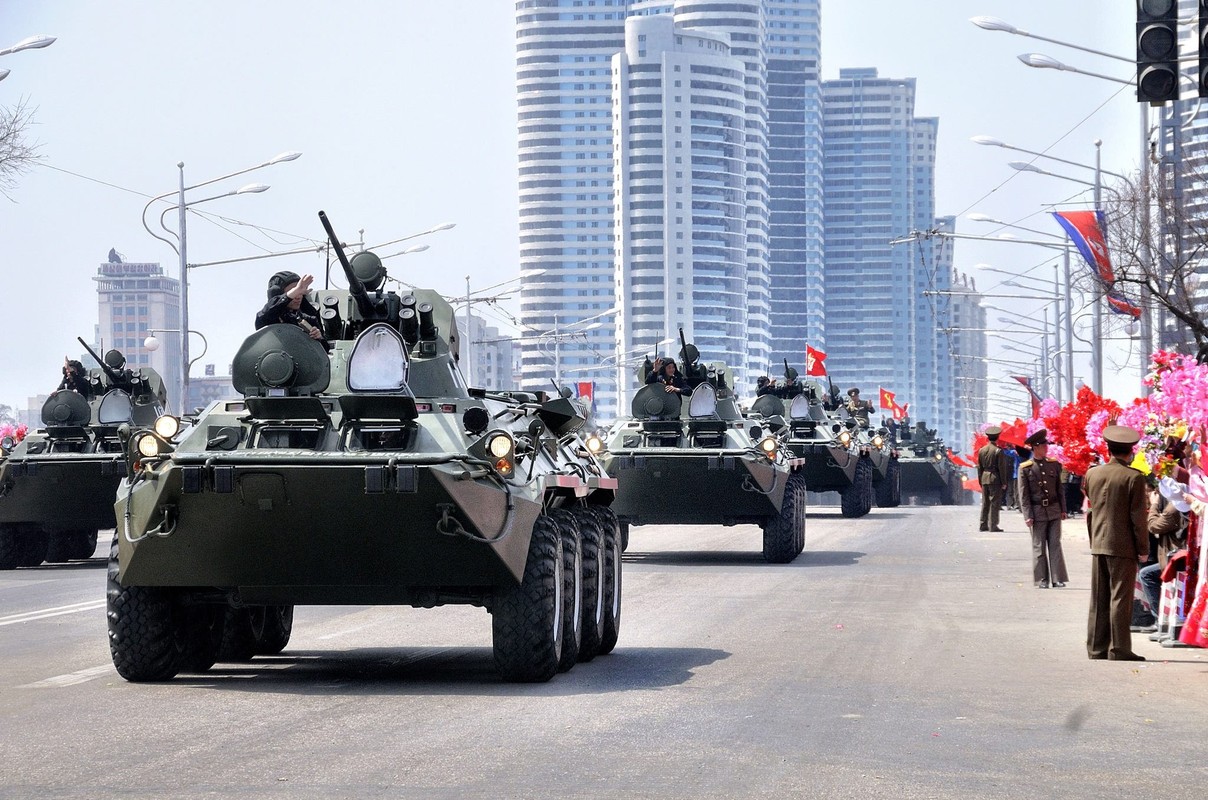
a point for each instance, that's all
(827, 445)
(689, 458)
(927, 473)
(887, 473)
(370, 475)
(57, 485)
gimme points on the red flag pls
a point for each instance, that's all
(1027, 384)
(887, 399)
(959, 460)
(899, 411)
(815, 361)
(587, 391)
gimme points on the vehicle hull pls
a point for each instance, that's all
(276, 537)
(61, 491)
(677, 487)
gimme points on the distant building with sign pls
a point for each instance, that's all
(133, 299)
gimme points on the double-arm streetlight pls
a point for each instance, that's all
(180, 246)
(29, 43)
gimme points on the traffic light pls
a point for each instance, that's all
(1202, 39)
(1158, 50)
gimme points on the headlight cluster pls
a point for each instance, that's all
(845, 438)
(7, 444)
(503, 451)
(767, 446)
(878, 442)
(157, 441)
(594, 444)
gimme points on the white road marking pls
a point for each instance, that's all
(71, 678)
(58, 611)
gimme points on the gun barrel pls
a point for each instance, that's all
(113, 374)
(355, 287)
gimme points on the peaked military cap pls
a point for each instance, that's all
(1121, 435)
(993, 430)
(1040, 437)
(852, 391)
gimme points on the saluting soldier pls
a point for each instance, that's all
(992, 475)
(1043, 504)
(1119, 533)
(859, 409)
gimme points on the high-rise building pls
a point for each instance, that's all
(568, 238)
(134, 299)
(881, 331)
(967, 396)
(794, 56)
(490, 352)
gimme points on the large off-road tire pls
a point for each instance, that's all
(783, 533)
(147, 635)
(278, 626)
(948, 495)
(624, 536)
(34, 544)
(856, 500)
(526, 620)
(572, 588)
(10, 547)
(203, 625)
(801, 490)
(591, 543)
(82, 543)
(612, 577)
(889, 490)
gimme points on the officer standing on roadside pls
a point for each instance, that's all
(992, 475)
(1043, 504)
(1119, 533)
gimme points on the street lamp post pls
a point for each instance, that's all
(29, 43)
(181, 245)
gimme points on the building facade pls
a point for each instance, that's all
(133, 300)
(572, 254)
(884, 316)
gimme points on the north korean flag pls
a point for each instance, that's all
(1088, 231)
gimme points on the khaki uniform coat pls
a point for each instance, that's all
(1041, 495)
(1119, 521)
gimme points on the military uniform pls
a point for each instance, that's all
(860, 410)
(992, 476)
(1043, 504)
(1119, 534)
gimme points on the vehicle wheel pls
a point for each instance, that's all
(798, 486)
(204, 637)
(526, 622)
(889, 490)
(624, 536)
(783, 533)
(572, 588)
(854, 498)
(591, 542)
(947, 496)
(58, 546)
(10, 547)
(241, 630)
(34, 544)
(612, 577)
(146, 637)
(278, 626)
(82, 543)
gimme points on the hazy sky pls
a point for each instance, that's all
(405, 113)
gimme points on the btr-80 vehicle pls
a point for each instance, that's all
(826, 444)
(57, 485)
(927, 473)
(370, 475)
(718, 467)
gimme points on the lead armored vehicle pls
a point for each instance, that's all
(57, 485)
(927, 473)
(370, 475)
(689, 458)
(827, 446)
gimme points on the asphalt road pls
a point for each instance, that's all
(903, 655)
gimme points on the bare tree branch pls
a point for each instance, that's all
(18, 153)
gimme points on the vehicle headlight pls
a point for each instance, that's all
(500, 445)
(939, 457)
(7, 443)
(878, 442)
(594, 444)
(147, 446)
(767, 446)
(166, 426)
(845, 438)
